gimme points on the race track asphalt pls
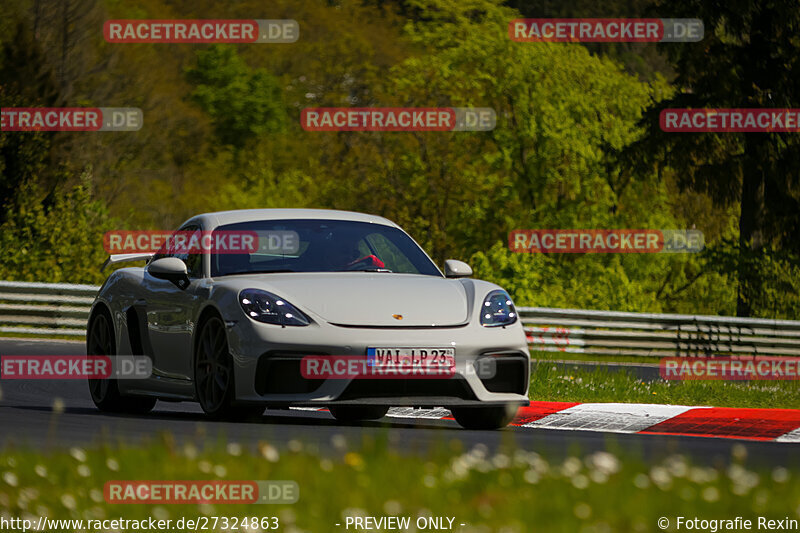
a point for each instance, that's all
(28, 418)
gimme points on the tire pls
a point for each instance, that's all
(214, 384)
(357, 413)
(105, 392)
(495, 417)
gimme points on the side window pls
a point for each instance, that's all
(194, 261)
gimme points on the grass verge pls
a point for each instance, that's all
(11, 335)
(511, 491)
(551, 382)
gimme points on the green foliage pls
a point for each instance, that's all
(769, 278)
(778, 294)
(60, 240)
(222, 132)
(558, 109)
(584, 282)
(667, 283)
(242, 102)
(22, 156)
(25, 81)
(642, 59)
(745, 60)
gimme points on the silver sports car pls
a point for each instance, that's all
(240, 330)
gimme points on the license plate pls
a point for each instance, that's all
(433, 359)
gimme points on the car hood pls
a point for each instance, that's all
(368, 299)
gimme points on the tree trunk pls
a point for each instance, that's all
(751, 220)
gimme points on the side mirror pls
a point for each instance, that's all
(170, 269)
(456, 269)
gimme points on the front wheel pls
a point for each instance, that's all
(213, 376)
(356, 413)
(105, 392)
(494, 417)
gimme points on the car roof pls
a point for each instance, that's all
(209, 221)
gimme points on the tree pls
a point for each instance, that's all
(25, 81)
(241, 101)
(60, 242)
(558, 108)
(746, 59)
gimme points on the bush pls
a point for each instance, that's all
(54, 239)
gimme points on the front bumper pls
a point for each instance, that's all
(267, 370)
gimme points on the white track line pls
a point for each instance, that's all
(399, 412)
(408, 412)
(792, 436)
(610, 417)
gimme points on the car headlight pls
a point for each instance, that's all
(264, 306)
(498, 309)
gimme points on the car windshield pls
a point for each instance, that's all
(321, 246)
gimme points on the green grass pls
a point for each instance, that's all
(511, 491)
(550, 382)
(27, 336)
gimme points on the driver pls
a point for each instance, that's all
(340, 257)
(343, 255)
